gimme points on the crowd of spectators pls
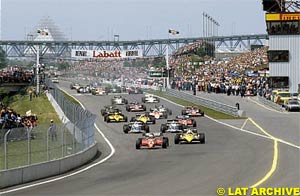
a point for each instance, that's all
(11, 119)
(15, 74)
(233, 76)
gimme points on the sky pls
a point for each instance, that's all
(130, 19)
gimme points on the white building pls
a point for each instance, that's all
(284, 50)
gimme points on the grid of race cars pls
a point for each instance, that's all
(146, 113)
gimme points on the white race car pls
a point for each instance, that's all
(150, 99)
(119, 100)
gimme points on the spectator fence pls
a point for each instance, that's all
(25, 146)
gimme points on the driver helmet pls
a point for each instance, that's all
(189, 131)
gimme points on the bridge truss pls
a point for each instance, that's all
(155, 47)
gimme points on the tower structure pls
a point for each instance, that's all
(283, 26)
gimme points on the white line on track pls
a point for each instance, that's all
(263, 106)
(74, 173)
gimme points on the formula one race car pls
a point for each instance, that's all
(134, 90)
(119, 100)
(113, 89)
(84, 89)
(135, 107)
(157, 114)
(161, 108)
(109, 109)
(115, 117)
(152, 140)
(189, 136)
(136, 127)
(172, 126)
(186, 121)
(192, 111)
(98, 91)
(75, 86)
(150, 99)
(145, 118)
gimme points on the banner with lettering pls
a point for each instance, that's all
(105, 54)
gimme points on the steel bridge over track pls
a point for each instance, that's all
(155, 47)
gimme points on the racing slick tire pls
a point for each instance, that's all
(125, 119)
(165, 115)
(132, 119)
(153, 120)
(202, 113)
(147, 129)
(143, 100)
(177, 139)
(138, 143)
(125, 129)
(170, 112)
(194, 123)
(144, 107)
(158, 100)
(165, 142)
(128, 108)
(163, 128)
(202, 138)
(183, 112)
(102, 112)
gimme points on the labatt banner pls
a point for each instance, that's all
(106, 54)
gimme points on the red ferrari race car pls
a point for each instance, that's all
(186, 121)
(152, 140)
(192, 111)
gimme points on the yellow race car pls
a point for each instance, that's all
(115, 117)
(145, 118)
(189, 136)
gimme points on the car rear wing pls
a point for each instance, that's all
(194, 130)
(156, 134)
(172, 121)
(182, 116)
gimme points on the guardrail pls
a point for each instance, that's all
(227, 109)
(270, 103)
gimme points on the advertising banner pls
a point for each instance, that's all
(105, 54)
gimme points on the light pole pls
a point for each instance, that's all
(43, 33)
(172, 32)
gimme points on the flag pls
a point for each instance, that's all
(173, 32)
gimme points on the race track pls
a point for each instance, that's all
(230, 158)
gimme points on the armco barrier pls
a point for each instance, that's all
(227, 109)
(38, 171)
(270, 103)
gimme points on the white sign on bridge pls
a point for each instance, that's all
(106, 54)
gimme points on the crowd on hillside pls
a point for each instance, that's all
(11, 119)
(234, 76)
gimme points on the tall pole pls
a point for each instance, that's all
(167, 64)
(37, 70)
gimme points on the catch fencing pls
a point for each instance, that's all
(25, 146)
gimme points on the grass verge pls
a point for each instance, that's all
(39, 105)
(207, 111)
(70, 98)
(17, 150)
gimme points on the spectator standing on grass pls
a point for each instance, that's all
(52, 131)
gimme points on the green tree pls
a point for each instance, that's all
(3, 59)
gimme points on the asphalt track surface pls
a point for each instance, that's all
(230, 158)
